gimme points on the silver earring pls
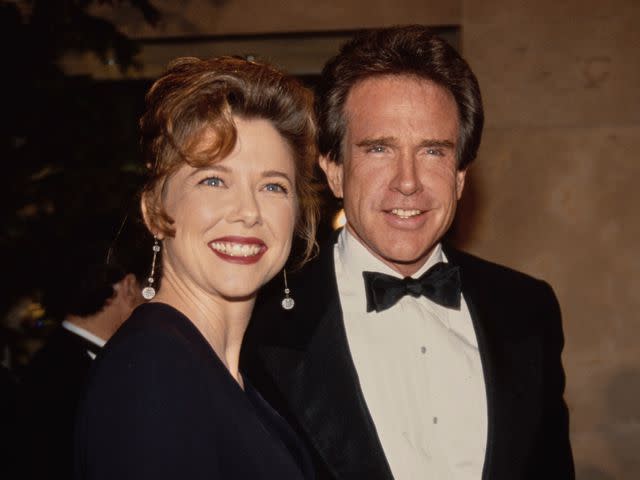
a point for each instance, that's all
(149, 291)
(287, 302)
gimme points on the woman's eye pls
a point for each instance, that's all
(276, 188)
(212, 182)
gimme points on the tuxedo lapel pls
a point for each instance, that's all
(315, 373)
(480, 315)
(510, 358)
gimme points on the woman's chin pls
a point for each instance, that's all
(239, 294)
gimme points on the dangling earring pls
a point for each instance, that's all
(287, 302)
(149, 291)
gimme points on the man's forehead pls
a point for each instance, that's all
(397, 101)
(373, 82)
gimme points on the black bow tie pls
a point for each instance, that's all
(441, 283)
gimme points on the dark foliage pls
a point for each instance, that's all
(71, 167)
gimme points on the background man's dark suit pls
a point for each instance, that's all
(301, 363)
(52, 387)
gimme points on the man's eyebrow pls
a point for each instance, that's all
(370, 142)
(430, 142)
(437, 143)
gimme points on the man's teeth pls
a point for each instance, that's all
(405, 213)
(236, 249)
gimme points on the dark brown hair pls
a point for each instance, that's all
(403, 50)
(196, 96)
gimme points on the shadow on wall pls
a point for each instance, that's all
(461, 233)
(592, 473)
(620, 427)
(623, 428)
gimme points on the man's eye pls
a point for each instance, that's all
(435, 151)
(276, 188)
(213, 182)
(377, 149)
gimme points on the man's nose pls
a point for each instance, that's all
(406, 179)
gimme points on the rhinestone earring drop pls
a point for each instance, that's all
(149, 291)
(287, 302)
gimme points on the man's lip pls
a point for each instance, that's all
(406, 223)
(407, 209)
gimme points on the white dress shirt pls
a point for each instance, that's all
(420, 373)
(86, 334)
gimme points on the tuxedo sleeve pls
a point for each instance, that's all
(140, 418)
(555, 457)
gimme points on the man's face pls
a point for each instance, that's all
(398, 178)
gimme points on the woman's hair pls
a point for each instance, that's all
(195, 97)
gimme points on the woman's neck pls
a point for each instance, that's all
(222, 322)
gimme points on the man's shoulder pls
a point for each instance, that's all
(481, 269)
(59, 350)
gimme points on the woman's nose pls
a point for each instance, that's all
(246, 209)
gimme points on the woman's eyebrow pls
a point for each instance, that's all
(276, 173)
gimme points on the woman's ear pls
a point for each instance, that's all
(147, 213)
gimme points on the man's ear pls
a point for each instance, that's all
(334, 172)
(128, 290)
(461, 176)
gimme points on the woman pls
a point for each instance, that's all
(230, 145)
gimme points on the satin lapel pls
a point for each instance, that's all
(317, 377)
(510, 350)
(479, 316)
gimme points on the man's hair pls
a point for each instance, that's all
(82, 285)
(197, 96)
(411, 50)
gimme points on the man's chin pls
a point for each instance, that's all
(406, 263)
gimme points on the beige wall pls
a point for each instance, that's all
(233, 17)
(555, 189)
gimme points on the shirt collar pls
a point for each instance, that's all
(87, 335)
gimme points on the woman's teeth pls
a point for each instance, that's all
(236, 249)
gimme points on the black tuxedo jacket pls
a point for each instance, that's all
(51, 389)
(300, 361)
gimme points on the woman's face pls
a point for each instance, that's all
(234, 219)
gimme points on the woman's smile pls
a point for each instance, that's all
(236, 249)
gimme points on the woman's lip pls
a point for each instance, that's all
(238, 239)
(239, 259)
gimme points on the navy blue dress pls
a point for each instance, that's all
(161, 405)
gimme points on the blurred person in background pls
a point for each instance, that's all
(8, 421)
(93, 296)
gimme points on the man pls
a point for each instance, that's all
(95, 299)
(456, 374)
